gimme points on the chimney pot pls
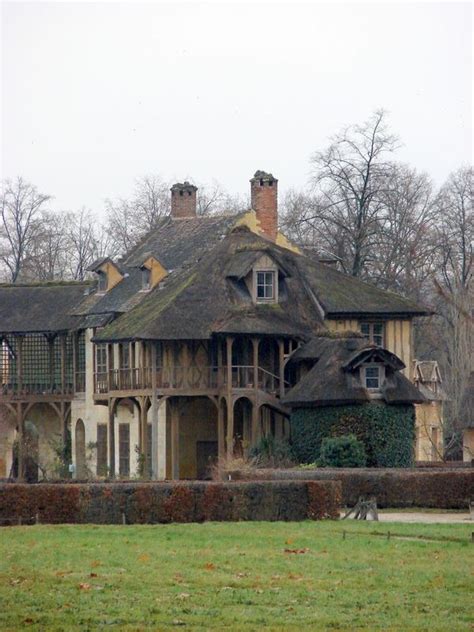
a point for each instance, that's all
(183, 200)
(264, 199)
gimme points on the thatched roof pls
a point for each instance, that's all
(204, 300)
(211, 297)
(333, 380)
(176, 241)
(39, 307)
(345, 296)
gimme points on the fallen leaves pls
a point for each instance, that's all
(209, 566)
(84, 586)
(296, 551)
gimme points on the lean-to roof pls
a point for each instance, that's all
(39, 307)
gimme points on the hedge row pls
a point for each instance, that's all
(144, 503)
(452, 489)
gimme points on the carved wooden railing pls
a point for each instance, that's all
(186, 378)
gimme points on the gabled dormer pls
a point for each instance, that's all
(258, 273)
(108, 274)
(372, 368)
(152, 273)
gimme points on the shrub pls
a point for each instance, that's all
(387, 432)
(345, 451)
(271, 452)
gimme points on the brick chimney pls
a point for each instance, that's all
(183, 200)
(264, 200)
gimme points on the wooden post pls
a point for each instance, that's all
(220, 364)
(281, 366)
(112, 438)
(50, 339)
(63, 363)
(154, 418)
(230, 403)
(19, 363)
(255, 404)
(220, 430)
(75, 344)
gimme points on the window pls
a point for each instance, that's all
(124, 449)
(266, 286)
(146, 278)
(372, 377)
(102, 281)
(373, 332)
(102, 449)
(101, 358)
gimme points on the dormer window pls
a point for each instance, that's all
(372, 378)
(266, 286)
(146, 278)
(102, 281)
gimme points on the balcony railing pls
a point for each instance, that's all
(36, 388)
(186, 378)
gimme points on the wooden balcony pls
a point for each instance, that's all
(36, 391)
(180, 379)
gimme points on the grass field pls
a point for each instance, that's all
(240, 576)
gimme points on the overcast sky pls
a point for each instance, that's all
(96, 95)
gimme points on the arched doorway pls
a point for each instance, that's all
(80, 442)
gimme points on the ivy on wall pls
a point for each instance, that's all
(387, 432)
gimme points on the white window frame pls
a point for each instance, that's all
(381, 376)
(273, 285)
(370, 335)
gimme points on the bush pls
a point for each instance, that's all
(271, 452)
(345, 451)
(142, 503)
(387, 432)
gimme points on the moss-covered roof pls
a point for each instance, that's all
(334, 378)
(210, 297)
(39, 307)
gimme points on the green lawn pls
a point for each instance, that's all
(237, 576)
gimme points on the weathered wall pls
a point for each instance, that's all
(429, 431)
(397, 334)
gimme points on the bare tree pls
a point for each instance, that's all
(454, 286)
(84, 235)
(213, 198)
(20, 208)
(128, 220)
(349, 178)
(404, 249)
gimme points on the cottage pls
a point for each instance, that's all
(192, 346)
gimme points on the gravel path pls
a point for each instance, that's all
(424, 517)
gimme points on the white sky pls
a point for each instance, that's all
(95, 95)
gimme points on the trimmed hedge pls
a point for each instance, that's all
(391, 487)
(145, 503)
(387, 432)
